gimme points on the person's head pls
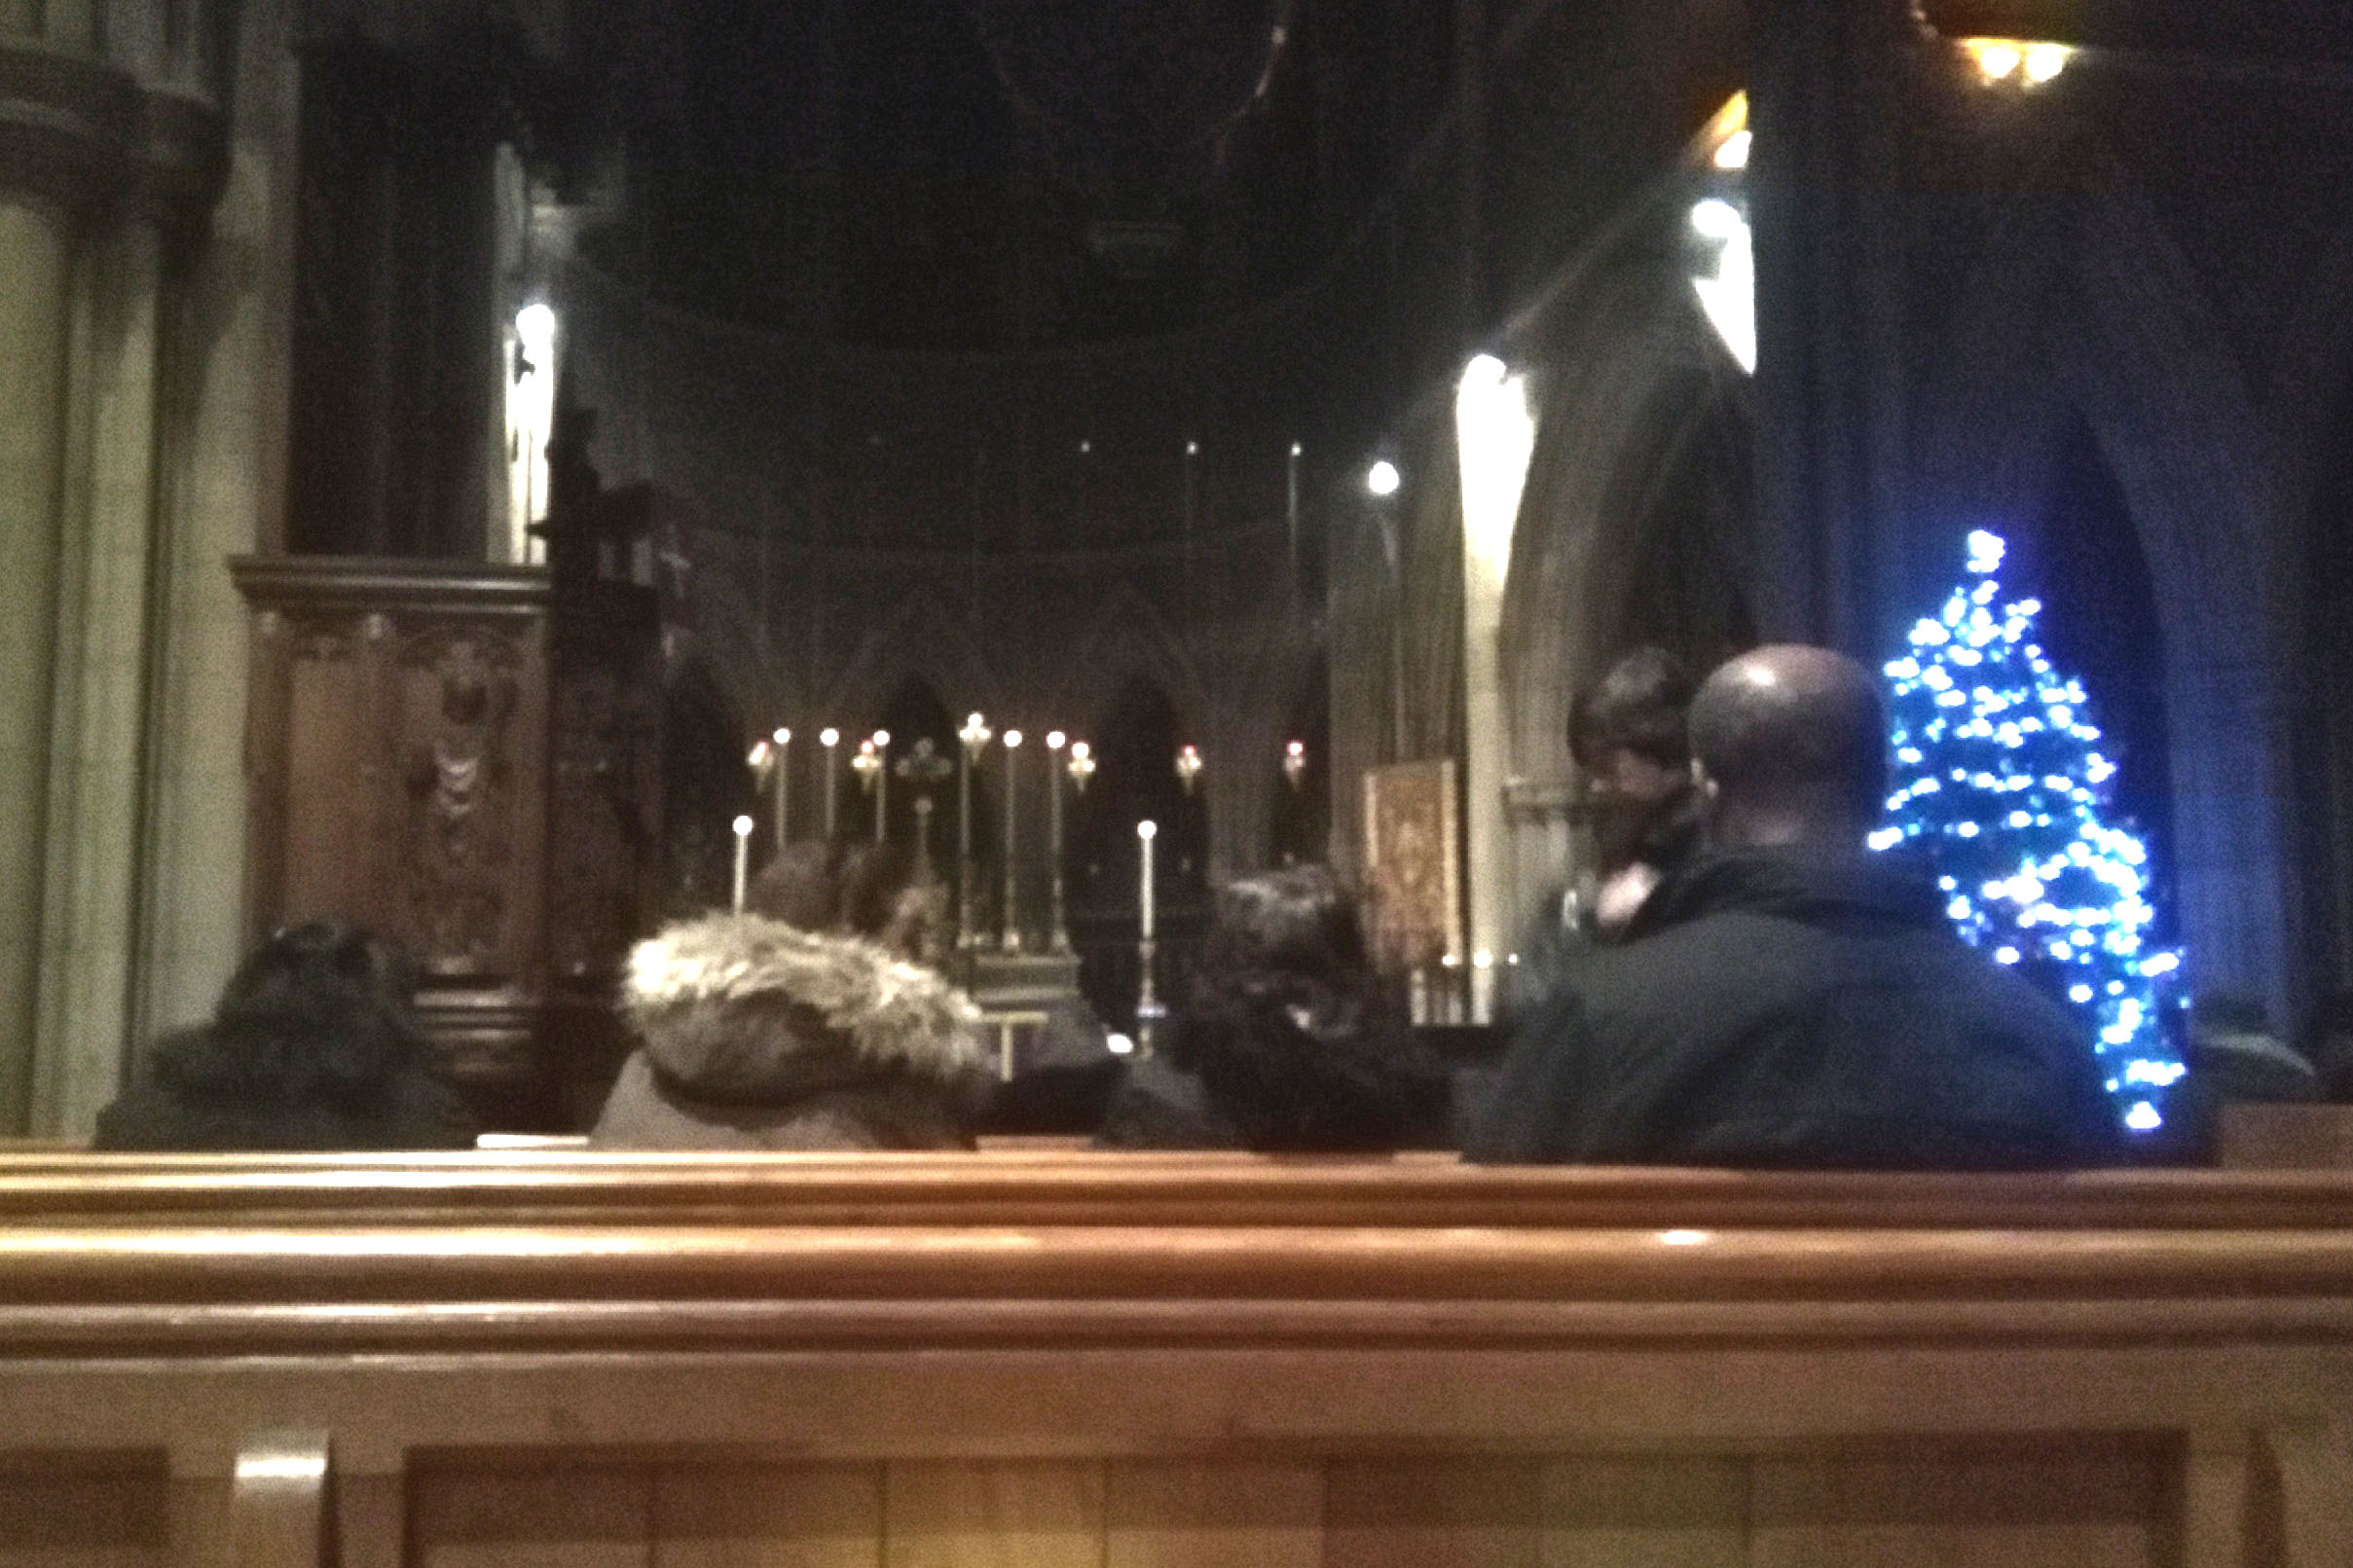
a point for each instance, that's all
(851, 888)
(1789, 748)
(320, 1001)
(1287, 1028)
(1299, 920)
(1627, 731)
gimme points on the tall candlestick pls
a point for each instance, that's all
(1058, 937)
(971, 740)
(1012, 939)
(1148, 1006)
(784, 785)
(882, 787)
(1291, 519)
(830, 737)
(1146, 831)
(743, 859)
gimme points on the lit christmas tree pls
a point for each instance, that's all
(1998, 776)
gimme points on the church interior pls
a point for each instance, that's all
(521, 480)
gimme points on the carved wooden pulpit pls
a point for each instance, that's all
(465, 758)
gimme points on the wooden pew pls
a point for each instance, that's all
(1036, 1356)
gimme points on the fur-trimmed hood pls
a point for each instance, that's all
(744, 1008)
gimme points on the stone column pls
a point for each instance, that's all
(99, 695)
(36, 280)
(107, 150)
(1828, 84)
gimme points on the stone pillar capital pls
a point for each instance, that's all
(87, 136)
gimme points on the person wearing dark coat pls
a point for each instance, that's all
(1788, 999)
(802, 1025)
(312, 1047)
(1285, 1043)
(1627, 737)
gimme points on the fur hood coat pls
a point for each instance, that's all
(761, 1036)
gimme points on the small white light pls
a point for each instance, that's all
(536, 325)
(281, 1467)
(882, 740)
(1995, 61)
(1716, 218)
(743, 827)
(1294, 449)
(1483, 370)
(1193, 448)
(1383, 479)
(1734, 153)
(1148, 829)
(1056, 739)
(1013, 738)
(1682, 1238)
(1483, 960)
(2046, 60)
(1085, 447)
(828, 736)
(1118, 1045)
(784, 737)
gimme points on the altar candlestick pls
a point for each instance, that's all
(882, 785)
(1011, 941)
(743, 859)
(972, 739)
(1291, 520)
(784, 785)
(830, 737)
(1058, 937)
(1148, 1006)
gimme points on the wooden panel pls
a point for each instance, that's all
(993, 1516)
(1215, 1515)
(1665, 1512)
(768, 1517)
(586, 1516)
(2084, 1503)
(1441, 1511)
(52, 1516)
(326, 865)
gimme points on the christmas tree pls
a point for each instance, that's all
(1999, 778)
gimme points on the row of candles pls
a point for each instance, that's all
(923, 769)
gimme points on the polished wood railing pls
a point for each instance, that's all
(1035, 1355)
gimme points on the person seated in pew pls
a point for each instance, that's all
(1285, 1042)
(314, 1046)
(807, 1023)
(1789, 997)
(1630, 741)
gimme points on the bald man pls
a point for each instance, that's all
(1789, 997)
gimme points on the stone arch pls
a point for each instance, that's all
(1625, 390)
(1128, 634)
(922, 638)
(2097, 320)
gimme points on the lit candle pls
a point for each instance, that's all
(743, 859)
(1146, 831)
(1011, 941)
(1058, 937)
(829, 738)
(882, 785)
(783, 784)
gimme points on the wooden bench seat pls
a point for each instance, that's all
(1039, 1356)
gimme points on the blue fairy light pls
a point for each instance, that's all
(1996, 774)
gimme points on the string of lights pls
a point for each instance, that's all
(1999, 778)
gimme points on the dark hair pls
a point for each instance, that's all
(1288, 1028)
(836, 885)
(1796, 727)
(319, 1008)
(1638, 706)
